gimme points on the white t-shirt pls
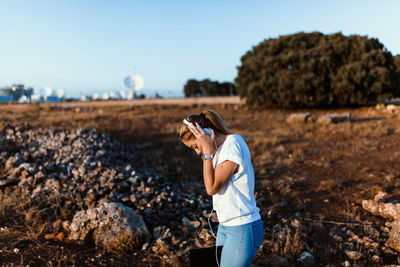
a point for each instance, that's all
(235, 203)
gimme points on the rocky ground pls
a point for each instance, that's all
(65, 171)
(313, 168)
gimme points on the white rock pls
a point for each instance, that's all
(114, 226)
(298, 117)
(386, 210)
(394, 237)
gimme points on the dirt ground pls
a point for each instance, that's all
(320, 171)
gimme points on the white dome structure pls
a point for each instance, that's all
(59, 93)
(134, 82)
(48, 91)
(105, 96)
(122, 94)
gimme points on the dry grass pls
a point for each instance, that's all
(320, 172)
(12, 207)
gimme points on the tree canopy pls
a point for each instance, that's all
(206, 87)
(317, 71)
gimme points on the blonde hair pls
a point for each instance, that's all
(206, 119)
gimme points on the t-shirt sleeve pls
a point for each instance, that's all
(231, 152)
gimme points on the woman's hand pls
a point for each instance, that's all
(218, 178)
(205, 141)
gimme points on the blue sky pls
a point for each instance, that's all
(88, 46)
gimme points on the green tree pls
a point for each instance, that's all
(316, 71)
(206, 87)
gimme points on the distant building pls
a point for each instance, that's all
(6, 98)
(15, 92)
(52, 99)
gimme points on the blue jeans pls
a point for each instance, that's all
(240, 243)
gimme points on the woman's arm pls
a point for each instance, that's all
(215, 180)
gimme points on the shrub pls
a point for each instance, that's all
(312, 70)
(208, 88)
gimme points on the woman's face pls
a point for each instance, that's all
(194, 144)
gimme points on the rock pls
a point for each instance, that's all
(380, 106)
(375, 245)
(337, 238)
(334, 118)
(394, 237)
(306, 259)
(385, 229)
(115, 227)
(353, 255)
(380, 196)
(299, 117)
(295, 223)
(386, 210)
(389, 224)
(376, 259)
(389, 251)
(66, 225)
(10, 163)
(392, 108)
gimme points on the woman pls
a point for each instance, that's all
(229, 177)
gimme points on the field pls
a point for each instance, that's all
(310, 177)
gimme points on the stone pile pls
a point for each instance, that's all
(87, 169)
(367, 242)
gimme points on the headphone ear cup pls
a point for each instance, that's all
(207, 130)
